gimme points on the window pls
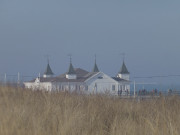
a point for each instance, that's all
(113, 87)
(100, 77)
(86, 87)
(49, 88)
(95, 85)
(123, 87)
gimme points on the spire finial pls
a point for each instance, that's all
(123, 56)
(95, 69)
(71, 68)
(48, 72)
(47, 57)
(70, 57)
(95, 58)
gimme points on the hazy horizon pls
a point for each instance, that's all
(146, 31)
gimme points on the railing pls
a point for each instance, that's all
(156, 94)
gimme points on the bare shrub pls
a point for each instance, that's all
(25, 112)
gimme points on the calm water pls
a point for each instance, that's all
(160, 88)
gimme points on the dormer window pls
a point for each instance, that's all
(123, 73)
(37, 80)
(48, 72)
(113, 87)
(71, 74)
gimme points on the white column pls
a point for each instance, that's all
(5, 78)
(18, 81)
(134, 89)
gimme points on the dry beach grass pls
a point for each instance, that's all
(24, 112)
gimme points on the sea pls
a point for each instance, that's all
(163, 88)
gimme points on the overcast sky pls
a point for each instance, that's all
(148, 31)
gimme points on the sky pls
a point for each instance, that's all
(147, 31)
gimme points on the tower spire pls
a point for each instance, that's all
(71, 68)
(71, 74)
(123, 73)
(123, 69)
(48, 72)
(95, 69)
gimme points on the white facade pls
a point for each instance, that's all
(80, 80)
(38, 85)
(102, 83)
(96, 84)
(69, 86)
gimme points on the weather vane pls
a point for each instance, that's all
(47, 57)
(123, 55)
(70, 57)
(95, 57)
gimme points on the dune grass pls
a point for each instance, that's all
(26, 112)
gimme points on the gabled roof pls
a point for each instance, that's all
(42, 79)
(100, 75)
(82, 75)
(71, 69)
(90, 74)
(78, 71)
(123, 69)
(48, 70)
(64, 79)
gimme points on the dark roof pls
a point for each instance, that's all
(123, 69)
(71, 69)
(42, 79)
(119, 79)
(64, 79)
(78, 71)
(82, 75)
(95, 69)
(90, 74)
(48, 70)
